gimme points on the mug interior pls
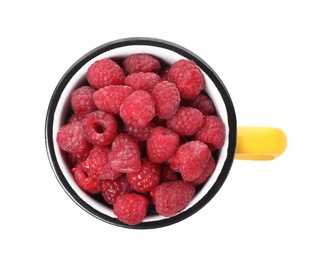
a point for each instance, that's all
(167, 53)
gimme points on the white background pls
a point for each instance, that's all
(264, 53)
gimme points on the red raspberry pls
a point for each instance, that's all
(141, 134)
(167, 99)
(75, 117)
(125, 154)
(172, 197)
(142, 80)
(186, 121)
(212, 132)
(206, 173)
(162, 144)
(190, 159)
(140, 62)
(138, 109)
(167, 174)
(71, 139)
(82, 100)
(100, 128)
(188, 78)
(131, 208)
(86, 183)
(110, 98)
(112, 189)
(146, 178)
(203, 103)
(105, 72)
(97, 164)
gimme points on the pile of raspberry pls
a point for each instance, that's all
(142, 135)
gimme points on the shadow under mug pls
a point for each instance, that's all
(242, 142)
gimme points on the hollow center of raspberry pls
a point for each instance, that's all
(99, 127)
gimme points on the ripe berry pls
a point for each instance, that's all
(100, 128)
(105, 72)
(131, 208)
(186, 121)
(88, 184)
(112, 189)
(140, 62)
(190, 159)
(203, 103)
(172, 197)
(97, 164)
(146, 178)
(125, 154)
(162, 144)
(138, 109)
(110, 98)
(141, 134)
(71, 139)
(188, 78)
(82, 100)
(167, 99)
(206, 173)
(75, 117)
(212, 132)
(142, 80)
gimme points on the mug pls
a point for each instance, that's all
(241, 142)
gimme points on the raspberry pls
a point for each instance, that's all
(167, 174)
(75, 117)
(190, 159)
(141, 134)
(186, 121)
(88, 184)
(212, 132)
(162, 144)
(172, 197)
(71, 139)
(131, 208)
(188, 78)
(105, 72)
(206, 173)
(100, 128)
(110, 98)
(203, 103)
(112, 189)
(138, 109)
(82, 100)
(125, 154)
(146, 178)
(167, 99)
(97, 164)
(142, 80)
(140, 62)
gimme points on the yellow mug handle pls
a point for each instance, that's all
(259, 143)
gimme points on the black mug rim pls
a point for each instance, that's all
(232, 124)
